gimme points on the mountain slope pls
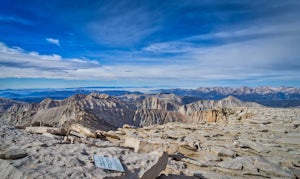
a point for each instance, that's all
(7, 103)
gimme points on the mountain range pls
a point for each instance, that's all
(105, 112)
(267, 96)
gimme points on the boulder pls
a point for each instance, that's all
(13, 154)
(83, 130)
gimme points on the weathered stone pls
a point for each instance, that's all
(13, 154)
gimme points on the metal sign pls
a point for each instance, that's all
(108, 163)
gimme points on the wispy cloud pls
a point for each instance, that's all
(53, 41)
(15, 19)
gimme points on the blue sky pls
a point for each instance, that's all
(156, 43)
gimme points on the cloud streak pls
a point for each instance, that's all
(53, 41)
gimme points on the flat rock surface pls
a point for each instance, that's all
(263, 145)
(39, 156)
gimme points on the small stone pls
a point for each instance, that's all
(13, 154)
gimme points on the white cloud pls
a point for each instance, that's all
(16, 62)
(53, 41)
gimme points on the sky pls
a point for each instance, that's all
(153, 43)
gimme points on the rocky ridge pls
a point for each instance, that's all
(101, 111)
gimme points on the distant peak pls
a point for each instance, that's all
(98, 95)
(231, 98)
